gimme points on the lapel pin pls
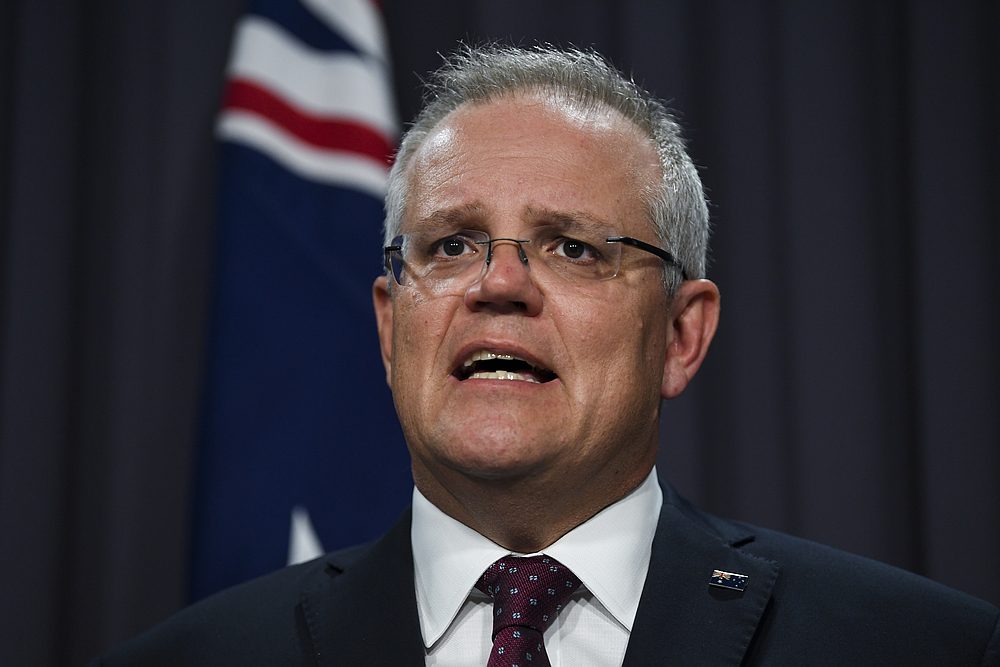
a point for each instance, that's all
(730, 580)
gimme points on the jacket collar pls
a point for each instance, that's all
(682, 619)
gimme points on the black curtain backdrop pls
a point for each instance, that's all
(852, 154)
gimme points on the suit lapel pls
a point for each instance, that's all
(365, 612)
(681, 619)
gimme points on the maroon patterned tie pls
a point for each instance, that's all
(527, 594)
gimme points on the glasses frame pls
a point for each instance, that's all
(652, 249)
(665, 255)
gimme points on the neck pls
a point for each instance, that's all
(524, 514)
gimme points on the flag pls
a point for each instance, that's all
(300, 449)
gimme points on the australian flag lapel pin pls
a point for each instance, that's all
(730, 580)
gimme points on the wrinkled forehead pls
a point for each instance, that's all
(528, 119)
(586, 114)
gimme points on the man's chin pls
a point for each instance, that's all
(499, 468)
(500, 463)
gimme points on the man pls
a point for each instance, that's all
(545, 250)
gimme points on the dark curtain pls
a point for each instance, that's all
(852, 155)
(107, 226)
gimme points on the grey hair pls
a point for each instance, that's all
(677, 204)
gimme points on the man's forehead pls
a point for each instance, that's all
(579, 152)
(476, 214)
(588, 115)
(504, 122)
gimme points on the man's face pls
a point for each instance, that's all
(506, 168)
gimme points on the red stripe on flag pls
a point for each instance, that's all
(321, 132)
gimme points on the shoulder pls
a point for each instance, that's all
(257, 622)
(827, 573)
(855, 608)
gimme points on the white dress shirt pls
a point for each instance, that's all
(609, 553)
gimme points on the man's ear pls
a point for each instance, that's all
(382, 301)
(694, 316)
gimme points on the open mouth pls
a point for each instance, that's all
(498, 366)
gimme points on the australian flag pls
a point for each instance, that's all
(301, 451)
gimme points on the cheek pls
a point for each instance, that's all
(595, 342)
(419, 330)
(616, 323)
(621, 342)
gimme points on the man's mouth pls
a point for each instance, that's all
(484, 365)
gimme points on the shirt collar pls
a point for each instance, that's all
(609, 553)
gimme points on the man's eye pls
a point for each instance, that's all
(574, 249)
(452, 246)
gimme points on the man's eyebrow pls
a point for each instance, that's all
(475, 212)
(456, 215)
(565, 219)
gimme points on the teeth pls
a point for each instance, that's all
(503, 375)
(535, 375)
(489, 356)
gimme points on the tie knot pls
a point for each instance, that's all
(527, 592)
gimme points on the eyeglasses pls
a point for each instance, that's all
(440, 262)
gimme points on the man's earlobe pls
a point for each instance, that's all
(694, 317)
(382, 301)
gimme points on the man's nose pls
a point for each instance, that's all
(506, 284)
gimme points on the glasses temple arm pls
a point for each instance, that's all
(652, 249)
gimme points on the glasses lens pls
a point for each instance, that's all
(578, 253)
(394, 259)
(437, 260)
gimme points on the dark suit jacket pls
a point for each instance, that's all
(804, 604)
